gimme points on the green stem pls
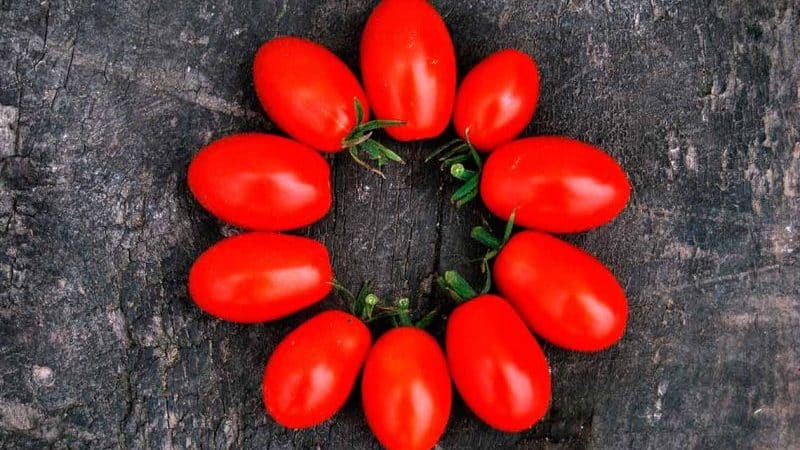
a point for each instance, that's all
(486, 238)
(369, 305)
(467, 191)
(360, 141)
(460, 172)
(377, 124)
(427, 319)
(403, 316)
(441, 149)
(457, 285)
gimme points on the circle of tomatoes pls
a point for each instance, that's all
(268, 183)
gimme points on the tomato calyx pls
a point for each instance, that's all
(360, 140)
(402, 315)
(457, 287)
(364, 303)
(452, 156)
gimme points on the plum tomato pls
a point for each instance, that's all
(408, 65)
(405, 390)
(497, 99)
(261, 182)
(496, 364)
(314, 368)
(554, 183)
(564, 294)
(260, 276)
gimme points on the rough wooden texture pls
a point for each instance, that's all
(104, 103)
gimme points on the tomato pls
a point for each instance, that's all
(496, 364)
(308, 92)
(555, 184)
(260, 276)
(564, 294)
(497, 99)
(312, 371)
(261, 182)
(408, 65)
(405, 390)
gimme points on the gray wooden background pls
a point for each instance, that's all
(105, 102)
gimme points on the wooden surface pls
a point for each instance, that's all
(105, 102)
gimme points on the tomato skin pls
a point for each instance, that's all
(558, 184)
(564, 294)
(405, 390)
(260, 276)
(261, 182)
(312, 371)
(408, 65)
(497, 365)
(497, 99)
(308, 91)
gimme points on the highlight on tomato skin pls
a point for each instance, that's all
(405, 390)
(497, 366)
(554, 184)
(261, 182)
(497, 99)
(312, 371)
(308, 91)
(408, 66)
(564, 294)
(260, 276)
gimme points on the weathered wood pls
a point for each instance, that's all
(104, 103)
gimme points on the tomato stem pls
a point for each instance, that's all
(360, 141)
(369, 305)
(427, 319)
(456, 286)
(486, 238)
(453, 156)
(458, 171)
(403, 316)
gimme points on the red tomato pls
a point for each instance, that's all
(497, 365)
(564, 294)
(406, 390)
(555, 183)
(497, 99)
(308, 91)
(255, 277)
(261, 182)
(312, 371)
(408, 65)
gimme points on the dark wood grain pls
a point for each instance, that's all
(104, 103)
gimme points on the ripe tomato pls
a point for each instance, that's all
(261, 182)
(406, 390)
(408, 65)
(312, 371)
(308, 91)
(497, 99)
(255, 277)
(497, 365)
(564, 294)
(555, 183)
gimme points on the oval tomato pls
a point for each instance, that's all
(312, 371)
(255, 277)
(555, 184)
(497, 99)
(261, 182)
(308, 91)
(497, 365)
(408, 65)
(405, 390)
(564, 294)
